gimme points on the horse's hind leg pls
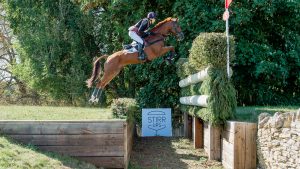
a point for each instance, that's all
(107, 77)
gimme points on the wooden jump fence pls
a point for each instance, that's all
(233, 143)
(103, 143)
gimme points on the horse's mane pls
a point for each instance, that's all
(161, 23)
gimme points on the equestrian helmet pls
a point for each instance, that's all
(151, 15)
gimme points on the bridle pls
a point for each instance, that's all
(178, 34)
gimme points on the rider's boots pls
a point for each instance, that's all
(141, 51)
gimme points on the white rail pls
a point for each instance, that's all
(194, 78)
(197, 100)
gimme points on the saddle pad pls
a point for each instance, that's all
(131, 50)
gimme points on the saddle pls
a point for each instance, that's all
(131, 48)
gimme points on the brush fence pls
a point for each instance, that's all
(234, 143)
(102, 143)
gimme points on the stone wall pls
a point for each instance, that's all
(278, 140)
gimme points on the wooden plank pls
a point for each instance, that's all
(244, 145)
(215, 143)
(47, 128)
(190, 127)
(198, 133)
(228, 136)
(106, 162)
(227, 147)
(230, 126)
(86, 150)
(71, 140)
(239, 146)
(228, 159)
(250, 152)
(226, 165)
(206, 137)
(128, 143)
(212, 141)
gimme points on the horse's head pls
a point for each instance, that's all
(169, 26)
(175, 29)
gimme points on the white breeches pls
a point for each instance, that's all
(135, 37)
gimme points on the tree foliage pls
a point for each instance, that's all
(58, 40)
(57, 46)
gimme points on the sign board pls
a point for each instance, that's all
(156, 122)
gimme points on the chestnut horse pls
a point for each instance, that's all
(154, 47)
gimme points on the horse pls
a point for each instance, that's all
(154, 48)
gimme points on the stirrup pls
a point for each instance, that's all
(142, 56)
(127, 46)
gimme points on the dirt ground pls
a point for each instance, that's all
(168, 153)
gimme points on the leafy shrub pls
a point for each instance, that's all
(126, 108)
(209, 49)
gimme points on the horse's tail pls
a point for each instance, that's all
(96, 71)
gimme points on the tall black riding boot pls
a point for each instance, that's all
(141, 51)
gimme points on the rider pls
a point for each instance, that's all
(138, 30)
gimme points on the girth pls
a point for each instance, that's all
(151, 43)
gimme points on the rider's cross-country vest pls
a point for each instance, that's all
(140, 27)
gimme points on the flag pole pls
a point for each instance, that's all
(227, 36)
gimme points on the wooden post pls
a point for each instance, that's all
(190, 127)
(198, 133)
(212, 141)
(186, 124)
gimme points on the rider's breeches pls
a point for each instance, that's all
(135, 37)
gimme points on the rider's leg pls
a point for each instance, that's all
(140, 42)
(135, 37)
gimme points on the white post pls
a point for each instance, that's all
(227, 35)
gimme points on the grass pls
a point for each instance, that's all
(17, 156)
(251, 113)
(13, 112)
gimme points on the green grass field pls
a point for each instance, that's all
(251, 113)
(12, 112)
(17, 156)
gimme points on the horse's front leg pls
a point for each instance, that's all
(166, 49)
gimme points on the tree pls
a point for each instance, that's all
(8, 58)
(57, 47)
